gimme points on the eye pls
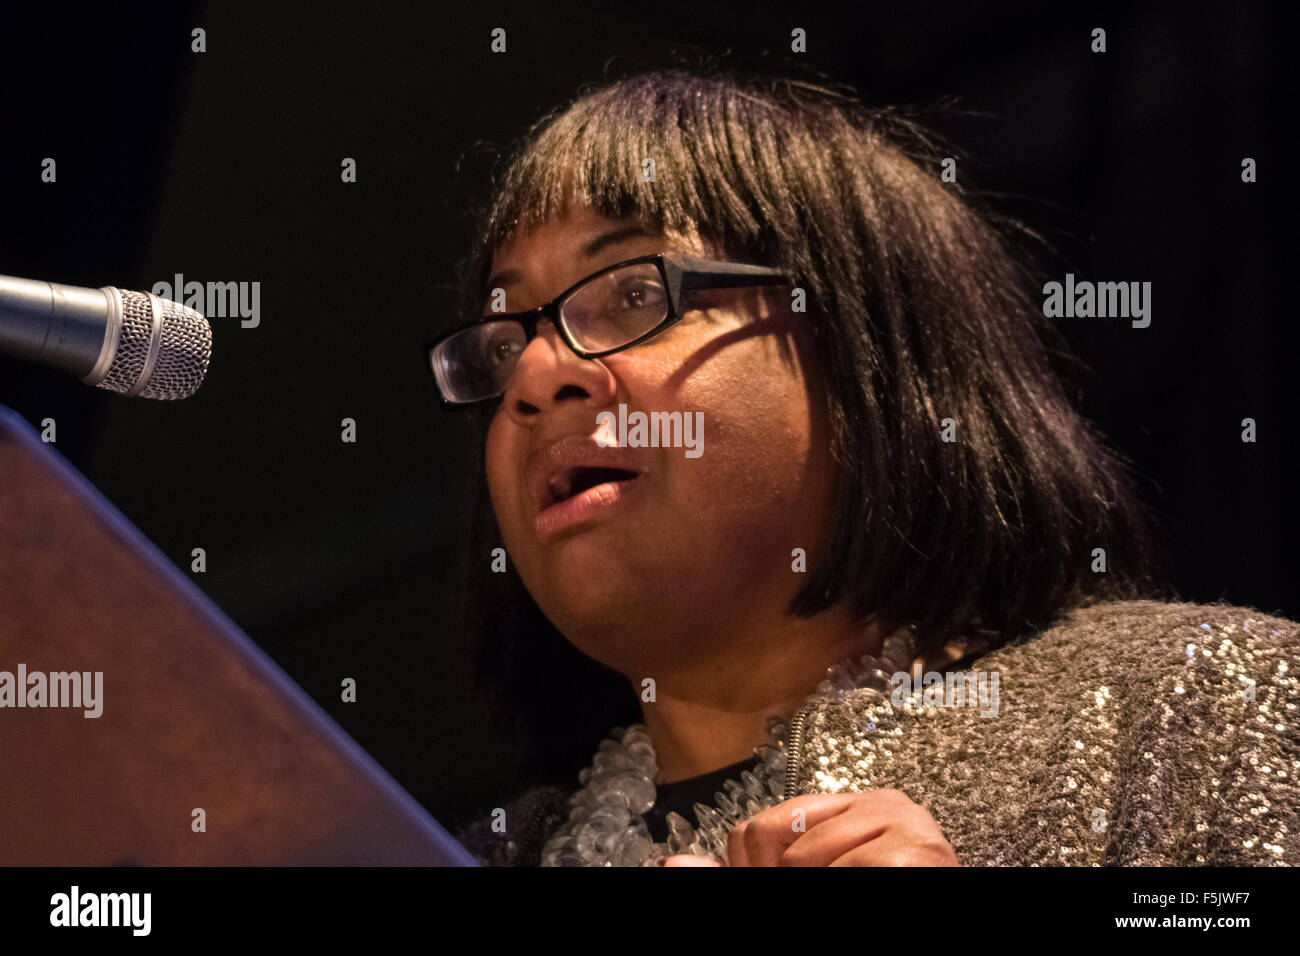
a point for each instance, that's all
(500, 347)
(639, 293)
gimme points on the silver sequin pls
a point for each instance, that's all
(1115, 743)
(1131, 733)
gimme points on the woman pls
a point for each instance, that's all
(885, 473)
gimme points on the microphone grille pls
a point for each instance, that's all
(132, 343)
(184, 348)
(183, 355)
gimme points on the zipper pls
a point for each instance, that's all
(531, 838)
(794, 750)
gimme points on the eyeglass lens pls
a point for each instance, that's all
(610, 311)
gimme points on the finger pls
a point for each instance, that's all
(688, 859)
(760, 840)
(892, 849)
(736, 855)
(833, 838)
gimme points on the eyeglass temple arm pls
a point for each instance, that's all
(691, 273)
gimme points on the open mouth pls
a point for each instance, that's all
(574, 481)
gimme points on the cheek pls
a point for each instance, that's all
(503, 483)
(760, 466)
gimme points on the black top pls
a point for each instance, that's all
(681, 796)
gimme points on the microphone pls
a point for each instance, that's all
(133, 343)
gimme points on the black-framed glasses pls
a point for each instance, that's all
(614, 309)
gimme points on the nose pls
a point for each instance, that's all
(550, 373)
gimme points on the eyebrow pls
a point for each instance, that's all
(592, 248)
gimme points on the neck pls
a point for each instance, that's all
(711, 710)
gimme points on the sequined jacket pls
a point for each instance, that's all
(1129, 733)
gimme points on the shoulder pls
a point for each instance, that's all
(1141, 640)
(1167, 668)
(1198, 702)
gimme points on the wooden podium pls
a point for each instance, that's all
(194, 715)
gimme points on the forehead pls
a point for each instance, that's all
(581, 234)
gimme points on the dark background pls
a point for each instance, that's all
(338, 559)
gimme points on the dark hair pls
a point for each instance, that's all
(921, 311)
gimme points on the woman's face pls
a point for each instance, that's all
(636, 571)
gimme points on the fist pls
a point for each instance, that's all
(875, 828)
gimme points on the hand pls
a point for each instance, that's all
(875, 828)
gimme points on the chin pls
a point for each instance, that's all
(595, 558)
(597, 619)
